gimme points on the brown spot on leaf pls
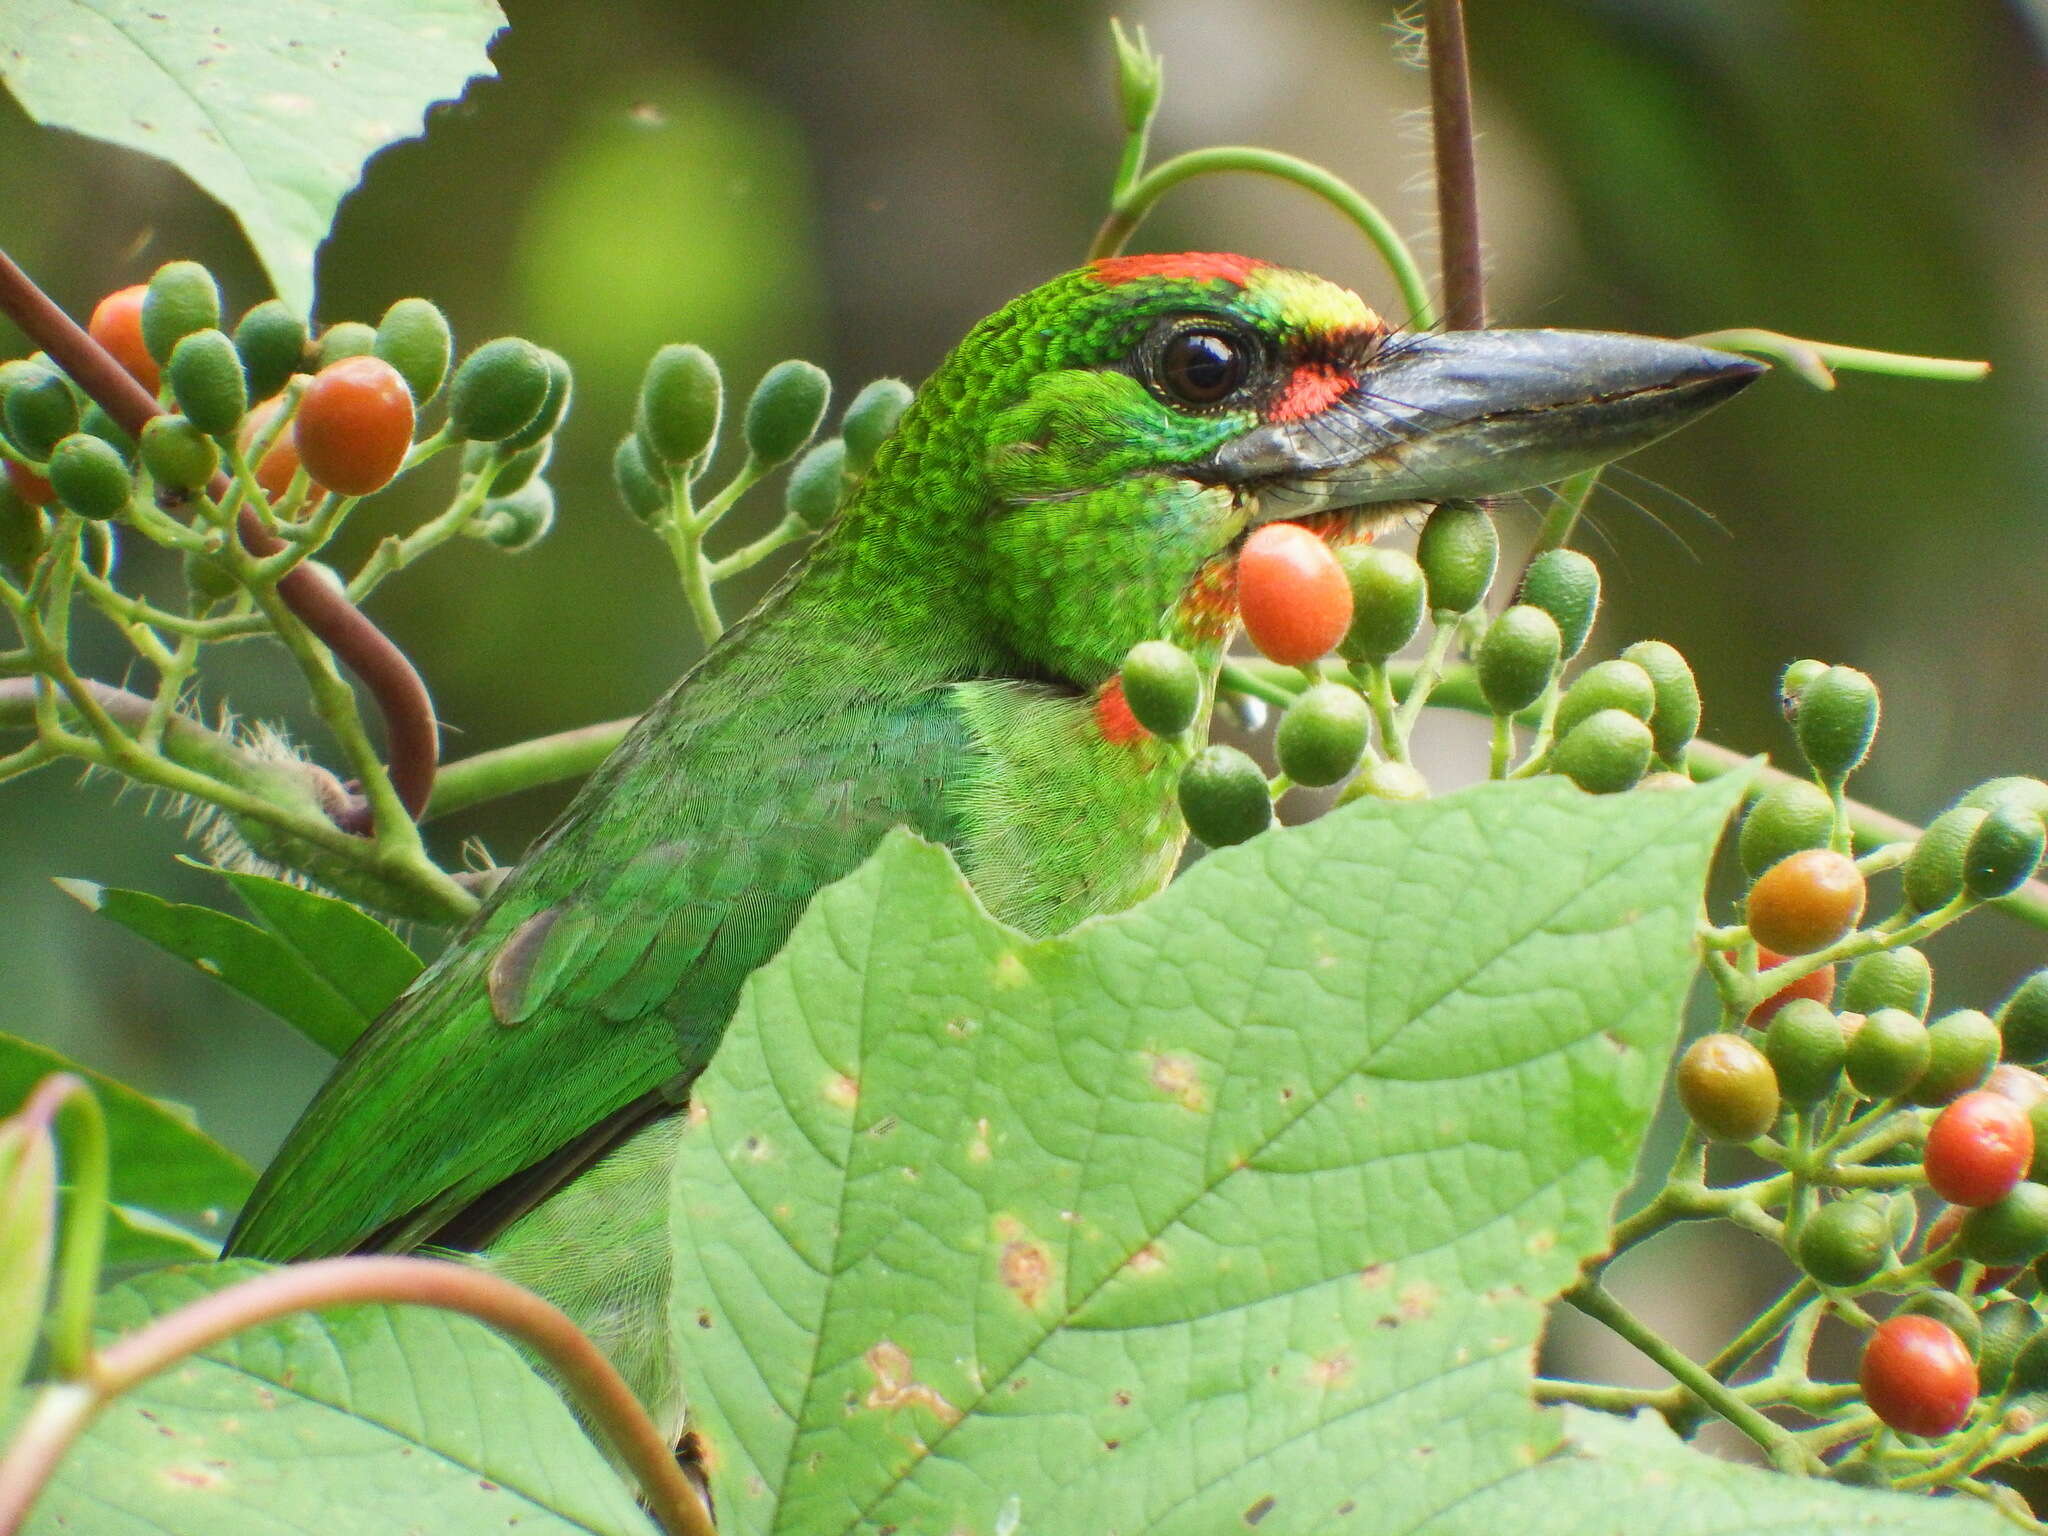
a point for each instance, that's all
(1177, 1077)
(1148, 1260)
(1331, 1371)
(703, 1317)
(1121, 1399)
(1418, 1302)
(1373, 1276)
(1349, 1506)
(1540, 1242)
(978, 1149)
(512, 967)
(1260, 1510)
(841, 1091)
(897, 1387)
(1026, 1270)
(193, 1477)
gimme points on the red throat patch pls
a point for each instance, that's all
(1113, 716)
(1312, 387)
(1197, 266)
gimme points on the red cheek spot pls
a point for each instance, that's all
(1113, 716)
(1313, 387)
(1198, 266)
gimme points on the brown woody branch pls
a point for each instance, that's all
(1457, 170)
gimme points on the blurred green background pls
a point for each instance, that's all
(856, 181)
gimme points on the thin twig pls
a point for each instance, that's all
(1457, 170)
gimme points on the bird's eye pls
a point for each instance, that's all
(1202, 367)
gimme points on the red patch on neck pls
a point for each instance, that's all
(1198, 266)
(1113, 716)
(1312, 387)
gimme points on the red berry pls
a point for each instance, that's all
(354, 425)
(30, 486)
(1978, 1149)
(1917, 1376)
(1818, 985)
(1292, 593)
(274, 471)
(1806, 901)
(116, 324)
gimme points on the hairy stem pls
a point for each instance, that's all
(1457, 166)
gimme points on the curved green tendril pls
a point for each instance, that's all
(1129, 210)
(1816, 361)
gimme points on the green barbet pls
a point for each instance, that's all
(1075, 479)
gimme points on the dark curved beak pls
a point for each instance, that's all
(1467, 414)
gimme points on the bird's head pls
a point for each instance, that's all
(1136, 418)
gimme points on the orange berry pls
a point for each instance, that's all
(354, 425)
(1917, 1376)
(116, 324)
(274, 471)
(1806, 901)
(1292, 593)
(1818, 985)
(30, 486)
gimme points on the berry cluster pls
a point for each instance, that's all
(1616, 724)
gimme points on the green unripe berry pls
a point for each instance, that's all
(107, 430)
(785, 410)
(817, 484)
(1962, 1049)
(1887, 1055)
(644, 495)
(2029, 1371)
(345, 338)
(23, 533)
(209, 580)
(518, 522)
(89, 477)
(178, 456)
(2018, 789)
(1565, 585)
(1675, 716)
(2037, 1165)
(1516, 658)
(1793, 680)
(272, 343)
(1789, 817)
(1322, 735)
(1387, 590)
(870, 418)
(1933, 876)
(1805, 1047)
(681, 398)
(1386, 780)
(1836, 720)
(182, 297)
(40, 411)
(414, 338)
(1614, 684)
(2013, 1230)
(1727, 1087)
(554, 407)
(2023, 1021)
(2007, 1326)
(1224, 797)
(1605, 753)
(499, 388)
(1845, 1242)
(206, 379)
(1163, 687)
(1457, 551)
(513, 470)
(2004, 851)
(1951, 1311)
(1892, 978)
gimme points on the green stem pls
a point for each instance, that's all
(747, 556)
(1767, 1325)
(1607, 1399)
(1423, 680)
(67, 1102)
(523, 765)
(1129, 210)
(1503, 749)
(1815, 361)
(1777, 1443)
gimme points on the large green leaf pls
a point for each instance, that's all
(318, 966)
(161, 1161)
(1239, 1208)
(355, 1422)
(272, 106)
